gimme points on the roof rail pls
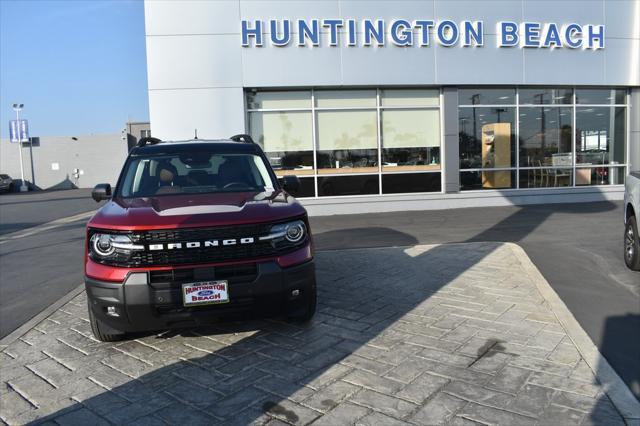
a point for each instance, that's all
(148, 141)
(242, 138)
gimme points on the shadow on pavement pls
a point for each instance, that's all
(620, 329)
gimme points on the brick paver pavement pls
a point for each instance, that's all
(449, 334)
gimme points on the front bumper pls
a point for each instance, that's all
(144, 303)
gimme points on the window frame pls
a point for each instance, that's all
(378, 108)
(573, 105)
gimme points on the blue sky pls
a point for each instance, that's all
(79, 66)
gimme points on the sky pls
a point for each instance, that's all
(78, 66)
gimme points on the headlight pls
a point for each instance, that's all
(292, 232)
(107, 246)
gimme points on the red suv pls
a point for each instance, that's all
(196, 230)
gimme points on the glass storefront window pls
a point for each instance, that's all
(545, 96)
(347, 141)
(307, 188)
(600, 176)
(487, 137)
(278, 100)
(546, 177)
(601, 96)
(345, 98)
(600, 135)
(482, 96)
(487, 179)
(545, 136)
(396, 183)
(409, 98)
(286, 138)
(348, 185)
(410, 139)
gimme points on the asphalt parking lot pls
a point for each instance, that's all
(576, 247)
(461, 334)
(39, 263)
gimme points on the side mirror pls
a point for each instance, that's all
(290, 183)
(100, 192)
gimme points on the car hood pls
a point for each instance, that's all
(196, 210)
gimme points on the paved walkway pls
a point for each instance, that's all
(450, 334)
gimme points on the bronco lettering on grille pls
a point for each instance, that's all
(198, 244)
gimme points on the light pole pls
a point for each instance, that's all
(17, 108)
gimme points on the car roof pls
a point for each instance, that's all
(195, 145)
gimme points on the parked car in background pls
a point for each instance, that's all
(631, 216)
(6, 183)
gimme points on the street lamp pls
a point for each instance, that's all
(17, 108)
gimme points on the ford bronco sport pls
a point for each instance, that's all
(196, 230)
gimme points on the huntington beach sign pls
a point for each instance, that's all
(420, 32)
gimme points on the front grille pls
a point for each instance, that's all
(198, 255)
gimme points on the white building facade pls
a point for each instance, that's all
(395, 105)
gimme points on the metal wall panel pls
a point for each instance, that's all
(187, 62)
(216, 113)
(191, 17)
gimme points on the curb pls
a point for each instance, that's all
(615, 388)
(15, 334)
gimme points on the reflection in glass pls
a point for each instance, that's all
(345, 98)
(410, 140)
(497, 126)
(348, 185)
(409, 97)
(482, 96)
(545, 136)
(600, 135)
(347, 141)
(546, 177)
(601, 96)
(398, 183)
(278, 100)
(307, 188)
(546, 96)
(600, 176)
(478, 179)
(286, 138)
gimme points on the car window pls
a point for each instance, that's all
(191, 173)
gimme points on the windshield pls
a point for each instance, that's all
(192, 173)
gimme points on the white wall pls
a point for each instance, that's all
(100, 157)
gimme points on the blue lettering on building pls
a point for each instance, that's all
(531, 34)
(373, 31)
(401, 33)
(423, 32)
(473, 31)
(447, 33)
(425, 27)
(306, 32)
(508, 34)
(573, 36)
(552, 39)
(280, 37)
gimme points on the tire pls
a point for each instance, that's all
(103, 332)
(308, 311)
(632, 244)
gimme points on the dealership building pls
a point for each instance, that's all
(398, 105)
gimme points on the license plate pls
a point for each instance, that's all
(205, 293)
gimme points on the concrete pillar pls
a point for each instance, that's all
(634, 127)
(451, 166)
